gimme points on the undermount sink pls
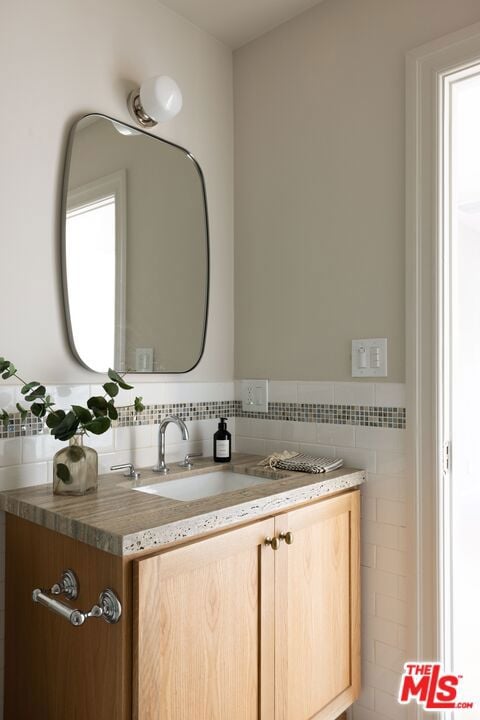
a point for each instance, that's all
(201, 486)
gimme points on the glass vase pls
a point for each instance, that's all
(75, 469)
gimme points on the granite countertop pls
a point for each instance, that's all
(124, 522)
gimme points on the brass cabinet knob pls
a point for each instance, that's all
(288, 537)
(273, 542)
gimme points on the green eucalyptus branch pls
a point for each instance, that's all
(95, 418)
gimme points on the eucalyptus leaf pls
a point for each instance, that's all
(11, 370)
(98, 405)
(38, 409)
(67, 427)
(5, 419)
(112, 411)
(55, 418)
(29, 386)
(113, 375)
(23, 411)
(64, 473)
(111, 389)
(98, 426)
(4, 364)
(36, 394)
(139, 406)
(82, 413)
(124, 385)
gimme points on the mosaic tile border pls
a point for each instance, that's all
(364, 415)
(22, 428)
(186, 411)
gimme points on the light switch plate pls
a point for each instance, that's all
(144, 359)
(369, 357)
(255, 395)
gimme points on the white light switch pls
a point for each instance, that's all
(144, 359)
(255, 395)
(369, 357)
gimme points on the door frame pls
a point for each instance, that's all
(427, 70)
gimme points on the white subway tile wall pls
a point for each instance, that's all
(351, 393)
(380, 451)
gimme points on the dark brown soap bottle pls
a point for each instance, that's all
(222, 443)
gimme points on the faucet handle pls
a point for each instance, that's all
(186, 462)
(132, 473)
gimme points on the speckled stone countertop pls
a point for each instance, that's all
(124, 522)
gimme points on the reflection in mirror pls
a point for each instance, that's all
(135, 250)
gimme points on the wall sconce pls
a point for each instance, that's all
(159, 99)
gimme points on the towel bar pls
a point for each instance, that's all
(108, 606)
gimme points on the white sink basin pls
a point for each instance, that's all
(200, 486)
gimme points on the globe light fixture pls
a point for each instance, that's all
(158, 100)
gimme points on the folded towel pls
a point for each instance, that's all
(299, 462)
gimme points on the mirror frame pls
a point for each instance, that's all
(63, 210)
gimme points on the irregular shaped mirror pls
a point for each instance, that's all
(135, 250)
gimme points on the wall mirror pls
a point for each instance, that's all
(134, 250)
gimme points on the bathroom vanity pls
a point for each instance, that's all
(240, 605)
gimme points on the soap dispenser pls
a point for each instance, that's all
(222, 443)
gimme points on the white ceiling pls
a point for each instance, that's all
(236, 22)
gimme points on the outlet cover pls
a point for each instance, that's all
(255, 396)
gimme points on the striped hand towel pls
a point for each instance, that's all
(299, 462)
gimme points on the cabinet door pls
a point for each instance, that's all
(204, 629)
(317, 620)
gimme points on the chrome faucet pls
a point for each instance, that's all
(161, 466)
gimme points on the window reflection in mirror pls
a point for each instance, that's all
(95, 238)
(90, 247)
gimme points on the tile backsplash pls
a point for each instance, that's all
(364, 423)
(26, 449)
(299, 402)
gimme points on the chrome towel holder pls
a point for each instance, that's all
(108, 607)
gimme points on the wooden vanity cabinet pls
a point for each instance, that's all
(317, 610)
(221, 628)
(228, 627)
